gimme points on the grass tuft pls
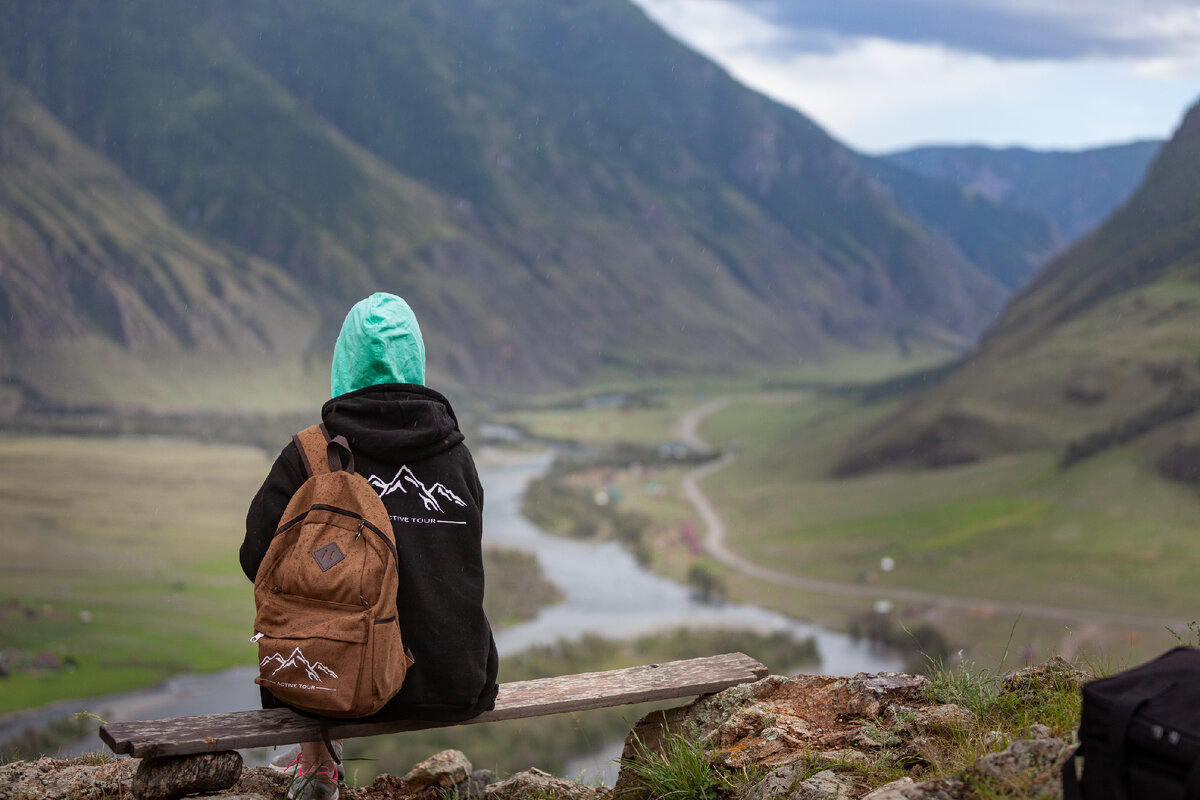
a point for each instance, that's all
(681, 768)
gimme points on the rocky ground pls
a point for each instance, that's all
(870, 737)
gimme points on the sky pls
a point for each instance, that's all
(884, 75)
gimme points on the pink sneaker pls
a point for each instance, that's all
(314, 784)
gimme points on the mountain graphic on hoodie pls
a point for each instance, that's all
(312, 669)
(428, 494)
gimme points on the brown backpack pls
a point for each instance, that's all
(327, 630)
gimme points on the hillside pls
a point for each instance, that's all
(1009, 243)
(563, 192)
(1075, 189)
(1100, 349)
(97, 280)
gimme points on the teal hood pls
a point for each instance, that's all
(380, 342)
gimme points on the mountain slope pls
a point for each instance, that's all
(89, 259)
(561, 190)
(1101, 347)
(611, 111)
(1010, 244)
(1077, 190)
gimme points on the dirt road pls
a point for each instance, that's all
(715, 542)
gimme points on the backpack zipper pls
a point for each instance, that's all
(362, 522)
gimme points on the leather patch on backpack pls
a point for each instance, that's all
(328, 556)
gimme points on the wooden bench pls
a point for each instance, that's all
(212, 733)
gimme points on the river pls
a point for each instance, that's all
(606, 593)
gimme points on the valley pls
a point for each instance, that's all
(937, 407)
(1013, 557)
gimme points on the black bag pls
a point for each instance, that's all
(1139, 733)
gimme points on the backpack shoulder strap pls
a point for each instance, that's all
(323, 453)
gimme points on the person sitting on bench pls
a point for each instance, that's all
(406, 440)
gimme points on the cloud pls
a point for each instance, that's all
(894, 73)
(1002, 29)
(881, 95)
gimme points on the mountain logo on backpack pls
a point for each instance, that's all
(312, 669)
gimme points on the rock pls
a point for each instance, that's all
(825, 785)
(779, 782)
(170, 777)
(917, 752)
(1037, 731)
(387, 787)
(863, 741)
(871, 692)
(262, 782)
(948, 717)
(941, 789)
(889, 791)
(788, 783)
(480, 779)
(901, 716)
(1033, 683)
(1023, 758)
(52, 779)
(534, 783)
(445, 769)
(767, 722)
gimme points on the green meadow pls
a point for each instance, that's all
(1107, 536)
(121, 564)
(121, 567)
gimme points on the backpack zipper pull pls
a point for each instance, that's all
(358, 533)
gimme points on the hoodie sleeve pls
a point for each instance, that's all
(266, 509)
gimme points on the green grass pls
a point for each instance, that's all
(122, 558)
(121, 561)
(604, 426)
(1105, 535)
(96, 372)
(680, 768)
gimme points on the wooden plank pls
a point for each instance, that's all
(518, 700)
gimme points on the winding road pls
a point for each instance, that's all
(715, 542)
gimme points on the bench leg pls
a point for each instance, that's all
(171, 777)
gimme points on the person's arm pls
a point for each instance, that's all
(266, 509)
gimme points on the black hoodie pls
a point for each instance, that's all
(406, 442)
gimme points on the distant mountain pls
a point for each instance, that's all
(1100, 349)
(562, 191)
(1076, 189)
(1010, 244)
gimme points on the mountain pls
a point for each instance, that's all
(563, 192)
(1010, 244)
(1100, 349)
(1075, 189)
(96, 277)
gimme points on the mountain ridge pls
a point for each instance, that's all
(1075, 189)
(1102, 341)
(557, 215)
